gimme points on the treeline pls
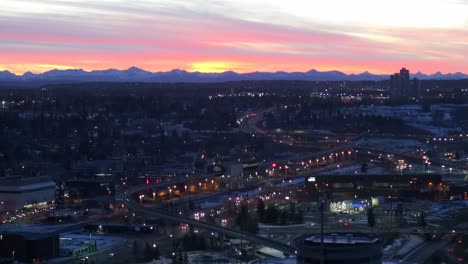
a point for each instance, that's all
(273, 215)
(335, 120)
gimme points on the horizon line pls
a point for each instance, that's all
(217, 72)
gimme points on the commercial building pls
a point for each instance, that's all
(350, 248)
(349, 206)
(77, 248)
(28, 243)
(348, 186)
(19, 192)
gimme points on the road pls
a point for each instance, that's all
(248, 125)
(124, 197)
(422, 253)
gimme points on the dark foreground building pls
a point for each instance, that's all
(28, 245)
(354, 248)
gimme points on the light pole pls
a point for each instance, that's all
(322, 210)
(154, 251)
(322, 248)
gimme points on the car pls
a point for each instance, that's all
(460, 260)
(450, 250)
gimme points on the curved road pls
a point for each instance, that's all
(124, 197)
(247, 125)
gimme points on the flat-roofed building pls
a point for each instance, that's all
(29, 243)
(350, 248)
(19, 192)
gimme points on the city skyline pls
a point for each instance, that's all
(242, 36)
(233, 131)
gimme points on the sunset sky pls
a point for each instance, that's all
(379, 36)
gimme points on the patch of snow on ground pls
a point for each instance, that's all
(411, 243)
(392, 247)
(440, 210)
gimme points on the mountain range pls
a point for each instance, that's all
(135, 74)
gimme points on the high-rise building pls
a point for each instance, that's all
(405, 81)
(415, 88)
(400, 83)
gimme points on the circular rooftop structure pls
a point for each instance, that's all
(350, 248)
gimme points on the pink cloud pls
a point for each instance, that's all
(173, 42)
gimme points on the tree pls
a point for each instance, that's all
(135, 249)
(261, 209)
(187, 242)
(156, 253)
(292, 210)
(426, 108)
(147, 252)
(242, 217)
(437, 116)
(299, 219)
(399, 214)
(59, 196)
(283, 217)
(252, 225)
(371, 218)
(422, 220)
(245, 221)
(271, 215)
(179, 257)
(174, 258)
(364, 168)
(191, 205)
(202, 243)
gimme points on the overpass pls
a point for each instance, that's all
(434, 161)
(125, 198)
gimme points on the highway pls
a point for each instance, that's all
(248, 125)
(124, 197)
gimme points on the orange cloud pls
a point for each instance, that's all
(158, 37)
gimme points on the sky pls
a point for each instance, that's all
(379, 36)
